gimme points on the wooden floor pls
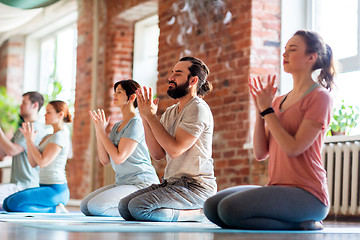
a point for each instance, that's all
(18, 231)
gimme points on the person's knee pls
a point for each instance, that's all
(211, 211)
(124, 210)
(95, 207)
(226, 211)
(11, 205)
(84, 208)
(210, 207)
(140, 209)
(133, 208)
(6, 205)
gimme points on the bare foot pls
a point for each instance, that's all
(192, 215)
(61, 209)
(311, 225)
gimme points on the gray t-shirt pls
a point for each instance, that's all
(196, 119)
(22, 173)
(137, 168)
(54, 173)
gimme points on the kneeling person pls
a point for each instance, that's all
(184, 136)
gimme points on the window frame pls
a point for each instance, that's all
(32, 57)
(53, 36)
(348, 64)
(140, 44)
(302, 15)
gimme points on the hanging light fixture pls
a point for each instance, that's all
(26, 4)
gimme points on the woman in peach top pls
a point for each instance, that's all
(289, 130)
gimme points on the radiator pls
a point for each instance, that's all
(341, 161)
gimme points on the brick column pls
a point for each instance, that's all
(114, 62)
(265, 59)
(79, 169)
(12, 65)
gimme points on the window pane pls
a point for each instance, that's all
(152, 41)
(66, 64)
(61, 46)
(337, 22)
(347, 89)
(47, 63)
(146, 52)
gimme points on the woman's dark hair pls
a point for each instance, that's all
(61, 106)
(324, 61)
(199, 69)
(130, 87)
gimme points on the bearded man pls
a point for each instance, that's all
(183, 136)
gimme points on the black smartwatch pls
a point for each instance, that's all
(266, 111)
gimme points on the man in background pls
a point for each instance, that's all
(22, 174)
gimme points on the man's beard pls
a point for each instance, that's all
(178, 91)
(23, 115)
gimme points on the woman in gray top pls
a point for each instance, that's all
(50, 156)
(125, 150)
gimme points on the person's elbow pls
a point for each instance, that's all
(291, 153)
(175, 153)
(260, 154)
(12, 152)
(34, 165)
(159, 155)
(261, 157)
(119, 159)
(294, 150)
(42, 163)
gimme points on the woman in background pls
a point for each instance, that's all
(125, 149)
(290, 131)
(51, 157)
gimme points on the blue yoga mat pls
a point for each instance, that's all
(77, 222)
(174, 227)
(74, 217)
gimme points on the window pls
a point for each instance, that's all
(146, 44)
(58, 63)
(50, 54)
(338, 23)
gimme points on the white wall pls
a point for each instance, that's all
(293, 17)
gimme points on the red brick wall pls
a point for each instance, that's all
(3, 63)
(11, 69)
(11, 65)
(226, 51)
(248, 44)
(265, 59)
(79, 169)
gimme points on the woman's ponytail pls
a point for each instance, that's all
(324, 60)
(327, 73)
